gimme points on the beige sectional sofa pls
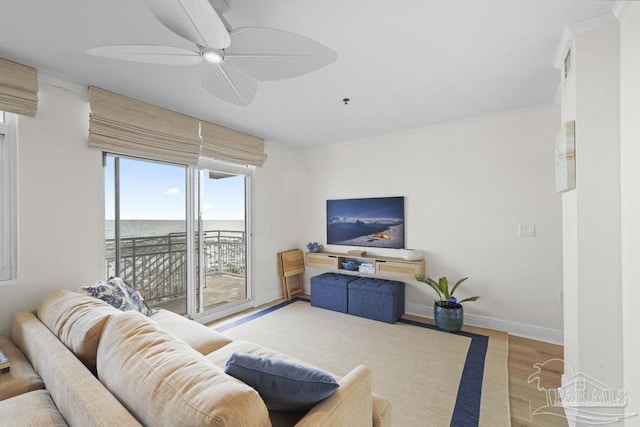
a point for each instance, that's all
(100, 366)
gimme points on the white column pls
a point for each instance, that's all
(592, 212)
(630, 182)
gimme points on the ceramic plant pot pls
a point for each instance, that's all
(448, 319)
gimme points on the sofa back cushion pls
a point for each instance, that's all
(199, 337)
(78, 395)
(77, 320)
(163, 381)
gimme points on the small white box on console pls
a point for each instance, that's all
(366, 268)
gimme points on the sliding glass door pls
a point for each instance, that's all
(178, 234)
(222, 235)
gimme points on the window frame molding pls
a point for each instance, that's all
(9, 195)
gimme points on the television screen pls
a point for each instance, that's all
(374, 222)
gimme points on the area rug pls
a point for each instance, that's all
(432, 378)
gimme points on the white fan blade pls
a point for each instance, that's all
(195, 20)
(227, 83)
(150, 54)
(269, 54)
(221, 6)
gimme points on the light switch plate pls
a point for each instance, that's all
(527, 230)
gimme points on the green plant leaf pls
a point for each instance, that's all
(444, 288)
(441, 287)
(458, 284)
(432, 284)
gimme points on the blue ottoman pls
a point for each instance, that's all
(376, 299)
(329, 290)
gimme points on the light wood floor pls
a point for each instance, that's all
(524, 398)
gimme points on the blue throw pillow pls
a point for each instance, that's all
(284, 386)
(119, 294)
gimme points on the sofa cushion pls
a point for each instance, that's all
(79, 396)
(77, 320)
(283, 385)
(163, 381)
(203, 339)
(21, 378)
(119, 294)
(30, 409)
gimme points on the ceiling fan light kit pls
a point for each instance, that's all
(235, 59)
(213, 56)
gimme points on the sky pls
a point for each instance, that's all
(378, 207)
(156, 191)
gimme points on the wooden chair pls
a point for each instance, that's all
(291, 266)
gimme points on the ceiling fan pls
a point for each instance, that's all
(235, 59)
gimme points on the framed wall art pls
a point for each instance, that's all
(566, 157)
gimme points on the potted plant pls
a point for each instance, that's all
(448, 312)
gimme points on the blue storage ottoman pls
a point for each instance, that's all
(376, 299)
(329, 290)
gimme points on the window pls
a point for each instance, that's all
(177, 233)
(145, 228)
(8, 189)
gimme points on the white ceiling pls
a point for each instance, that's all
(404, 64)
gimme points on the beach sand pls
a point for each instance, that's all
(395, 240)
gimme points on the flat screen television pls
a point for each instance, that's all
(373, 222)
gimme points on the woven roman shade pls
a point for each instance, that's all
(18, 88)
(231, 146)
(127, 126)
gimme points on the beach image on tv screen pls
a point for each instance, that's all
(373, 222)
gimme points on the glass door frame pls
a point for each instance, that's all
(191, 187)
(205, 165)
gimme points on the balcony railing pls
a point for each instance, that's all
(157, 265)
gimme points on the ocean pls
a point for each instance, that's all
(153, 227)
(339, 232)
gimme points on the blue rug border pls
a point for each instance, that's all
(467, 408)
(258, 314)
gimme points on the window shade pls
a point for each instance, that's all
(231, 146)
(18, 88)
(126, 126)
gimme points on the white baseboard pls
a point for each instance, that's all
(513, 328)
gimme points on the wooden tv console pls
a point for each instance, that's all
(383, 266)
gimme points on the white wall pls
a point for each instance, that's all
(276, 217)
(60, 206)
(630, 195)
(467, 187)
